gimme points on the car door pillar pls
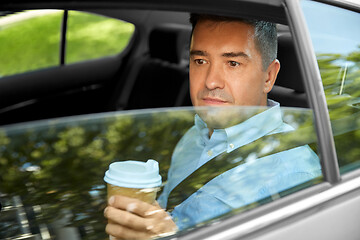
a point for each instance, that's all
(314, 88)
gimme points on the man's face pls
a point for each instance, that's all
(225, 66)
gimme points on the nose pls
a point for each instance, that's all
(214, 78)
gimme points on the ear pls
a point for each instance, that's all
(271, 74)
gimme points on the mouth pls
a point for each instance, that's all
(213, 101)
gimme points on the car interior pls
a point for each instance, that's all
(152, 72)
(165, 64)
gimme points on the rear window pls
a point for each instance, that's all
(31, 40)
(91, 36)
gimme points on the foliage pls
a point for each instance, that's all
(94, 36)
(30, 44)
(61, 166)
(34, 43)
(341, 80)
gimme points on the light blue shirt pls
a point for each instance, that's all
(247, 183)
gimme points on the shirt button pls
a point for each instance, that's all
(210, 153)
(231, 145)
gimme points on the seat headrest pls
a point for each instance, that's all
(289, 75)
(169, 42)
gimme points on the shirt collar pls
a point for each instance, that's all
(248, 131)
(202, 128)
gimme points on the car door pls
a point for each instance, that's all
(327, 44)
(303, 214)
(327, 37)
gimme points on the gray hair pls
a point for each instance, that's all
(265, 34)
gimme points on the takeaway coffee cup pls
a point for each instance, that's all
(134, 179)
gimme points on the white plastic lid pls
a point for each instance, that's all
(134, 174)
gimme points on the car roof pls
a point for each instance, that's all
(264, 9)
(269, 10)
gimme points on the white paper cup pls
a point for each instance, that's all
(134, 179)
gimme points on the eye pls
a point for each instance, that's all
(233, 64)
(200, 61)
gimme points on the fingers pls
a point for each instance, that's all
(135, 214)
(125, 218)
(122, 232)
(162, 224)
(132, 205)
(134, 219)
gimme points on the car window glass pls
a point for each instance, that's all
(91, 36)
(335, 34)
(53, 171)
(29, 40)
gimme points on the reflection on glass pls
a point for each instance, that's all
(52, 171)
(335, 34)
(251, 155)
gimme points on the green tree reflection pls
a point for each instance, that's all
(61, 166)
(341, 80)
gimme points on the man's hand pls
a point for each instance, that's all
(131, 218)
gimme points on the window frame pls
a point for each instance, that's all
(315, 91)
(63, 33)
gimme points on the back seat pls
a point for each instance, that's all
(289, 89)
(159, 79)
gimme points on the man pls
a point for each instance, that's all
(232, 62)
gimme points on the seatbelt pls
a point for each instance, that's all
(226, 161)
